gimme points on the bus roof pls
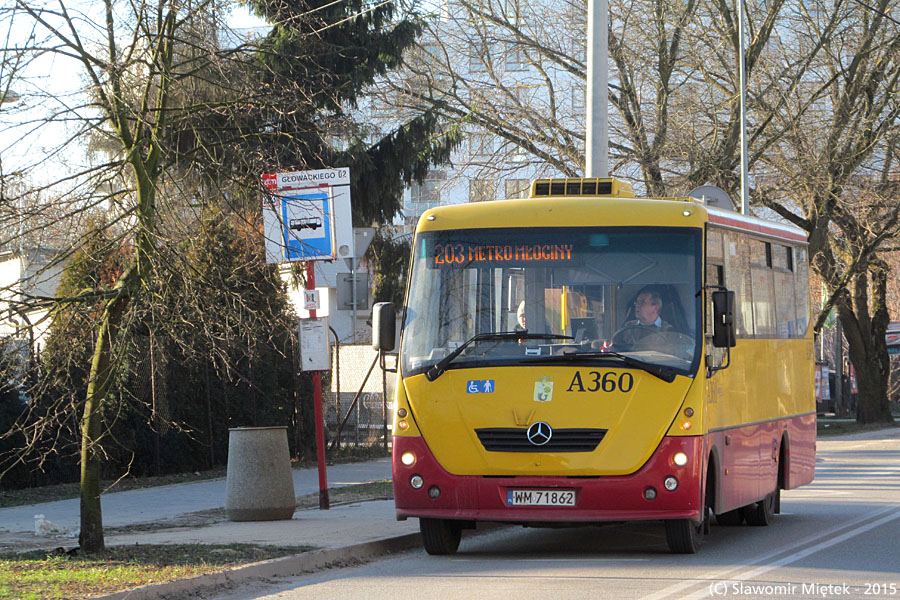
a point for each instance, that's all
(733, 220)
(580, 201)
(565, 211)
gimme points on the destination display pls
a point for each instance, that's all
(550, 247)
(468, 253)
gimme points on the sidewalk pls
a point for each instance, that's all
(169, 501)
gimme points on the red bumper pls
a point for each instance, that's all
(604, 498)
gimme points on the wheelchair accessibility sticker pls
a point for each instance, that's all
(480, 386)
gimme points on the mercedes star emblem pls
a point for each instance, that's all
(539, 433)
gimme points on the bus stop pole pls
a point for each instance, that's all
(317, 404)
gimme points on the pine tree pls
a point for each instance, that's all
(336, 51)
(283, 106)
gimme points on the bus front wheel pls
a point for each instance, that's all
(684, 536)
(440, 536)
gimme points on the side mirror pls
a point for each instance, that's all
(723, 319)
(384, 326)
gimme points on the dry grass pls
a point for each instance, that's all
(55, 575)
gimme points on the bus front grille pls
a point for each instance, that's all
(510, 439)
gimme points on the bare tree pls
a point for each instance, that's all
(822, 119)
(108, 67)
(502, 70)
(833, 173)
(131, 58)
(154, 154)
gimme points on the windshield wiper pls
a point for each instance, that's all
(499, 336)
(667, 374)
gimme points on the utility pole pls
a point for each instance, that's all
(596, 138)
(745, 200)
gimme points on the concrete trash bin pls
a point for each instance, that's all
(259, 485)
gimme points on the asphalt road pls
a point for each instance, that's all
(838, 537)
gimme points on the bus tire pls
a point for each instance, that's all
(440, 536)
(732, 518)
(762, 513)
(684, 536)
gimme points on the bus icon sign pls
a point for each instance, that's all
(306, 223)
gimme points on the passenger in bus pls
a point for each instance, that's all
(520, 317)
(521, 325)
(647, 321)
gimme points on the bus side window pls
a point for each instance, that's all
(801, 290)
(785, 303)
(737, 272)
(715, 252)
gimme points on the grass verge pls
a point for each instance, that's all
(41, 575)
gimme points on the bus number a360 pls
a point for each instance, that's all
(595, 381)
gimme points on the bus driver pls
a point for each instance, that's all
(647, 321)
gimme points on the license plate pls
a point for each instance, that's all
(540, 497)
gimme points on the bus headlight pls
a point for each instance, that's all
(408, 458)
(680, 459)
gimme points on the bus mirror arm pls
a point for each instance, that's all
(384, 367)
(710, 370)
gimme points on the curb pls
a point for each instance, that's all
(286, 566)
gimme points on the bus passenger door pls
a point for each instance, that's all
(738, 444)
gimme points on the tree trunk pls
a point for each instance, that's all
(867, 345)
(91, 536)
(872, 406)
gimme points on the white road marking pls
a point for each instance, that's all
(567, 560)
(729, 574)
(815, 493)
(804, 553)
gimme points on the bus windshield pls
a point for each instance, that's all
(603, 290)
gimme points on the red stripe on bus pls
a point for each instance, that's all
(772, 231)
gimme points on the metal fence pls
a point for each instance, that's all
(359, 402)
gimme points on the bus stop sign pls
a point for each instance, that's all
(306, 215)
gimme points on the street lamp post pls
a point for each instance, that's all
(596, 139)
(745, 200)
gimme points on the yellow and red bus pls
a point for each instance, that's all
(584, 356)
